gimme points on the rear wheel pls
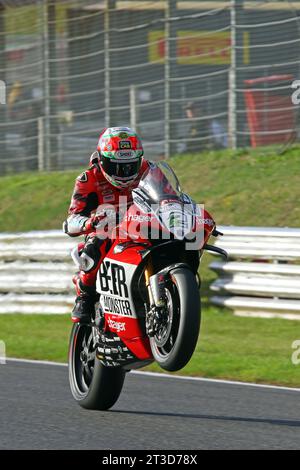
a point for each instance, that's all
(93, 386)
(174, 343)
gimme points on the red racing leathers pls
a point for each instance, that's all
(92, 190)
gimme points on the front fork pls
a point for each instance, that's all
(155, 285)
(148, 274)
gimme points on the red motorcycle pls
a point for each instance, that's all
(149, 301)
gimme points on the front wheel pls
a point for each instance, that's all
(174, 344)
(93, 386)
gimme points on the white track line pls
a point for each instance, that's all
(168, 376)
(33, 361)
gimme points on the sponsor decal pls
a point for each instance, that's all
(124, 145)
(177, 220)
(113, 279)
(202, 221)
(107, 191)
(118, 326)
(168, 206)
(115, 306)
(197, 47)
(108, 195)
(114, 292)
(141, 203)
(125, 154)
(138, 218)
(109, 198)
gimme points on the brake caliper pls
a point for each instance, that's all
(156, 319)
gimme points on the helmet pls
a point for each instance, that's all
(120, 153)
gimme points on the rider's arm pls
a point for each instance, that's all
(84, 202)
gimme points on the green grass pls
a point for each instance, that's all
(35, 201)
(245, 349)
(238, 189)
(245, 188)
(43, 337)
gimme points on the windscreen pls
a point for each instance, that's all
(159, 182)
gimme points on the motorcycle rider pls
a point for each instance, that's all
(115, 169)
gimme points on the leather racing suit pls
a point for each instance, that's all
(92, 190)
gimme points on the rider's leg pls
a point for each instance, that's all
(85, 281)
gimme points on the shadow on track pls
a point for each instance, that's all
(274, 422)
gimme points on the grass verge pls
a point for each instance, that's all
(238, 189)
(244, 349)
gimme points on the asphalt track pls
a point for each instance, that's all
(37, 411)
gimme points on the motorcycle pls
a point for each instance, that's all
(148, 286)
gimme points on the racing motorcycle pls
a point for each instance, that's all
(148, 286)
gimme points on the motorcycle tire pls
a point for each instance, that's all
(93, 386)
(174, 352)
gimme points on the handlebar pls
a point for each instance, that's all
(216, 233)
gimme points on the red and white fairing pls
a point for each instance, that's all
(114, 284)
(159, 207)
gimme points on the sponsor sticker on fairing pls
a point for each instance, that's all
(113, 285)
(206, 221)
(170, 206)
(115, 306)
(178, 219)
(116, 325)
(138, 218)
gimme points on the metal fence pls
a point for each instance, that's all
(188, 75)
(262, 276)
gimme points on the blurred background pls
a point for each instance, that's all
(191, 76)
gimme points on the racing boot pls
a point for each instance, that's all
(85, 301)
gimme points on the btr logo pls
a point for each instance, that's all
(113, 279)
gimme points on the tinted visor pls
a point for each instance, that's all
(120, 169)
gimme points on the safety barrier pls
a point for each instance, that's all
(36, 272)
(262, 276)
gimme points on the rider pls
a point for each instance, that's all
(115, 169)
